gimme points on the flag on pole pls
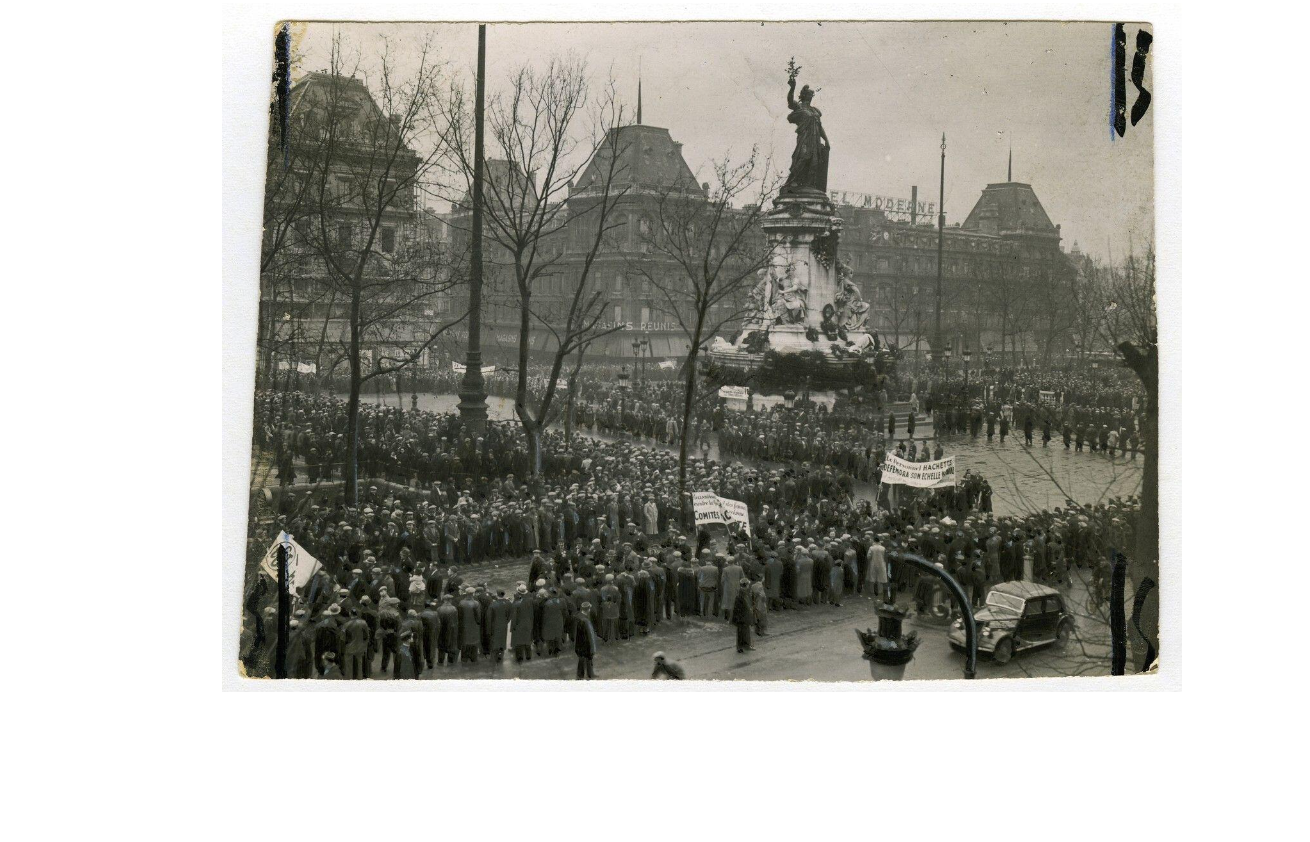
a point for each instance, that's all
(301, 566)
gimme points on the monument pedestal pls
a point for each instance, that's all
(800, 283)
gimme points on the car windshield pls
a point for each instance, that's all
(1005, 602)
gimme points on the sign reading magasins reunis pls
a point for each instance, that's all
(645, 327)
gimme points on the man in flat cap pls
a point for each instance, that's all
(470, 626)
(585, 644)
(522, 618)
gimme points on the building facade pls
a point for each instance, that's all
(1002, 266)
(638, 285)
(1000, 269)
(341, 194)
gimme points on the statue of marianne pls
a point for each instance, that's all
(809, 160)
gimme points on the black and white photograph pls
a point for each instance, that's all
(727, 352)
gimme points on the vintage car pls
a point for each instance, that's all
(1018, 616)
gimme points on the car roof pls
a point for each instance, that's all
(1025, 590)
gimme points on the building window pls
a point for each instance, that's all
(343, 236)
(388, 240)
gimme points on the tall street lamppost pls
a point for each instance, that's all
(968, 355)
(473, 394)
(889, 651)
(941, 233)
(946, 366)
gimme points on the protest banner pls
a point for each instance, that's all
(707, 507)
(303, 368)
(668, 365)
(939, 473)
(738, 393)
(1047, 398)
(301, 566)
(711, 508)
(735, 511)
(460, 368)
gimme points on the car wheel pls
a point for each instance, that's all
(1003, 652)
(1063, 634)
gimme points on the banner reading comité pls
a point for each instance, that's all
(711, 508)
(936, 474)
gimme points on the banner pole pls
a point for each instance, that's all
(283, 612)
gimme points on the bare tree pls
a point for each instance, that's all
(1130, 328)
(1009, 297)
(706, 250)
(1053, 308)
(367, 145)
(1087, 303)
(900, 310)
(545, 128)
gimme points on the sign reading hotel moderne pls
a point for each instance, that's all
(887, 204)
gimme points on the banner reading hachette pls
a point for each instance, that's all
(939, 473)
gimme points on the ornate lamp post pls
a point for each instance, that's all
(968, 355)
(941, 234)
(889, 651)
(472, 393)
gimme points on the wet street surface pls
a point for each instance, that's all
(810, 643)
(818, 643)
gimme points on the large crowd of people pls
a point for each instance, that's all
(1101, 411)
(607, 541)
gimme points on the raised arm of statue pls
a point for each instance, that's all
(791, 93)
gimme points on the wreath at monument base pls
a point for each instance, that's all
(755, 342)
(778, 372)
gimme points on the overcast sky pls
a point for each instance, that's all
(889, 90)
